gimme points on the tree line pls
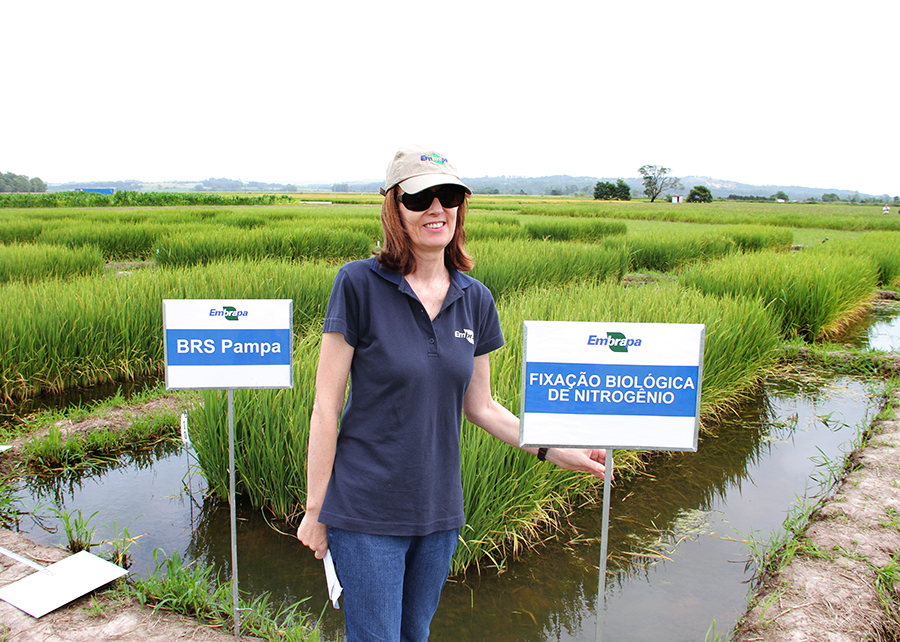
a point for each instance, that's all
(10, 182)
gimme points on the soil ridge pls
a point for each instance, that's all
(835, 588)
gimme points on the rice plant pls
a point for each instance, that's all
(271, 435)
(811, 294)
(665, 252)
(28, 263)
(94, 331)
(586, 230)
(882, 247)
(202, 247)
(510, 496)
(482, 227)
(507, 266)
(116, 241)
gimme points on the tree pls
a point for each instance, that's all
(607, 191)
(656, 181)
(831, 197)
(700, 194)
(10, 182)
(779, 195)
(604, 191)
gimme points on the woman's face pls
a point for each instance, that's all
(431, 229)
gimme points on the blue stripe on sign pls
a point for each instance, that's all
(228, 347)
(606, 389)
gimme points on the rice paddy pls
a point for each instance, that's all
(725, 265)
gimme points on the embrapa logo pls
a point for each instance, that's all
(230, 313)
(616, 341)
(434, 158)
(466, 334)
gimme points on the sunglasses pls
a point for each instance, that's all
(449, 195)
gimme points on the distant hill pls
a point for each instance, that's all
(566, 185)
(563, 185)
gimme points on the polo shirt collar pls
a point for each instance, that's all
(462, 281)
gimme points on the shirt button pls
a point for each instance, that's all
(431, 341)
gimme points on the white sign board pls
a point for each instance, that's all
(60, 583)
(611, 385)
(228, 344)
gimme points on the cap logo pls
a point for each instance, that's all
(434, 158)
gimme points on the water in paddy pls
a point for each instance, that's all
(879, 330)
(676, 559)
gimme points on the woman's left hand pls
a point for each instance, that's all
(591, 460)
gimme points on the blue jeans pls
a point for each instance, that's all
(392, 585)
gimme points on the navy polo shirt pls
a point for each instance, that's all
(397, 464)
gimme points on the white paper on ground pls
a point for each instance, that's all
(334, 586)
(60, 583)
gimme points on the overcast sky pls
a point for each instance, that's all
(780, 92)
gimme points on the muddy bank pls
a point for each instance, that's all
(841, 583)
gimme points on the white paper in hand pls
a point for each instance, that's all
(334, 586)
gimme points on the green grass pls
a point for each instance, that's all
(194, 591)
(60, 450)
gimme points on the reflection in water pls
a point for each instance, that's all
(675, 565)
(878, 330)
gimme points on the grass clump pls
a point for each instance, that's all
(194, 591)
(60, 450)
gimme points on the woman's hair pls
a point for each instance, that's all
(396, 254)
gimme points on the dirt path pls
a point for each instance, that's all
(830, 590)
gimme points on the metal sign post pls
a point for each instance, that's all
(611, 385)
(604, 545)
(233, 504)
(227, 345)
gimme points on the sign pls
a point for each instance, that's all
(611, 385)
(58, 584)
(228, 344)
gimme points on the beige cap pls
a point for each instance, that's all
(417, 168)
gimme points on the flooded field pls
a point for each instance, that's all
(676, 557)
(679, 560)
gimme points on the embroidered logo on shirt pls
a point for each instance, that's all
(466, 334)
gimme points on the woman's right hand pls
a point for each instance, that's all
(313, 534)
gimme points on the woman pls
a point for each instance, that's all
(413, 334)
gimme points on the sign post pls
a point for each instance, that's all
(214, 344)
(611, 385)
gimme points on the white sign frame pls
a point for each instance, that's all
(228, 344)
(668, 357)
